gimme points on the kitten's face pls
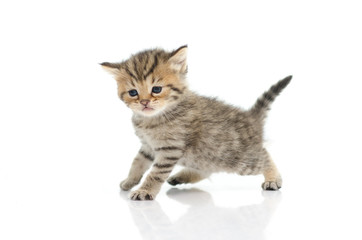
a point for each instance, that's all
(151, 81)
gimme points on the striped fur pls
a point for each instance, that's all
(177, 126)
(263, 103)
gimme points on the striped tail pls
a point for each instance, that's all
(263, 103)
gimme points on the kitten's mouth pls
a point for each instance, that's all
(147, 109)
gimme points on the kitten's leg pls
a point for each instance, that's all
(273, 180)
(165, 160)
(140, 165)
(187, 175)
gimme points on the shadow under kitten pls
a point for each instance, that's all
(203, 219)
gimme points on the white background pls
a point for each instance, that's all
(66, 140)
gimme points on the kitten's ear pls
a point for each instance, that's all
(112, 68)
(178, 59)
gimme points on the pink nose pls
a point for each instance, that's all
(145, 102)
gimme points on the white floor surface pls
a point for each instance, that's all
(224, 207)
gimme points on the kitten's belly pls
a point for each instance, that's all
(212, 162)
(200, 163)
(190, 163)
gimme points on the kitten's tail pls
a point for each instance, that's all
(263, 103)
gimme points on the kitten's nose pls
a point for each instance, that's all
(145, 102)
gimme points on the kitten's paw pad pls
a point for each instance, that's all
(174, 181)
(141, 195)
(127, 184)
(270, 185)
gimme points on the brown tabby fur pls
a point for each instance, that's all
(177, 126)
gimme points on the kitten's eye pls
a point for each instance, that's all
(156, 89)
(133, 92)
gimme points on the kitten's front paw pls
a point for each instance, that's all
(128, 184)
(141, 195)
(271, 185)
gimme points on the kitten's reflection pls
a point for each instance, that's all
(204, 220)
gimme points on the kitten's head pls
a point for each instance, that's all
(151, 81)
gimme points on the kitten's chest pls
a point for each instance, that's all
(161, 136)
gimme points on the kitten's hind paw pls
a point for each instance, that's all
(174, 181)
(187, 175)
(141, 195)
(270, 185)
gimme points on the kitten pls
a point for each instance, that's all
(177, 126)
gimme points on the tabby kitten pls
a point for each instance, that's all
(177, 126)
